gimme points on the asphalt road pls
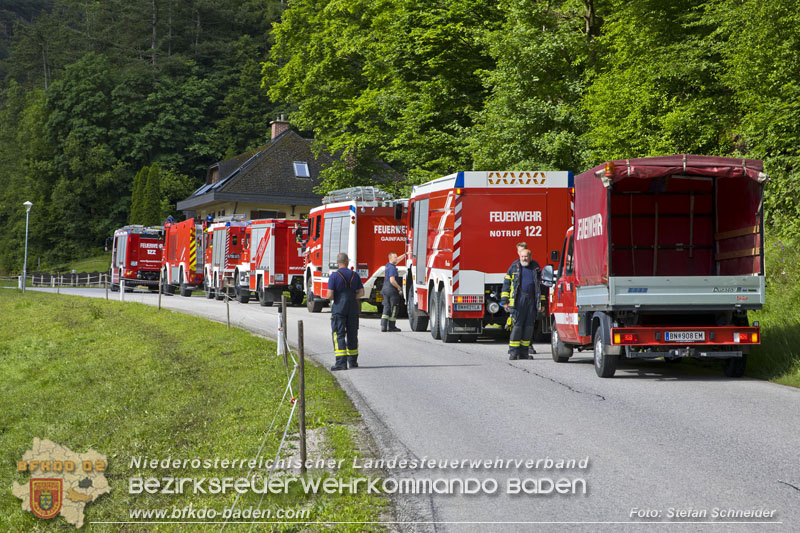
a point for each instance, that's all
(657, 437)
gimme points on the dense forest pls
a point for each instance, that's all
(96, 93)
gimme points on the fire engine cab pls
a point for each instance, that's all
(183, 256)
(224, 246)
(361, 222)
(462, 236)
(272, 261)
(136, 257)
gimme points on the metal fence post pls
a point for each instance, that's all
(302, 373)
(224, 286)
(283, 340)
(105, 282)
(160, 286)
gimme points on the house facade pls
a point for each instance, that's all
(276, 180)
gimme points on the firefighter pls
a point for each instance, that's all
(391, 294)
(345, 289)
(520, 296)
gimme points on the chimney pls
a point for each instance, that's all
(279, 125)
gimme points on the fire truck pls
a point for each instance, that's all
(462, 236)
(361, 222)
(136, 257)
(182, 264)
(224, 247)
(665, 260)
(272, 262)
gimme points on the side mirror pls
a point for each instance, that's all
(547, 276)
(554, 256)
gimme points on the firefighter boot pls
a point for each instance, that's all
(384, 324)
(352, 360)
(341, 363)
(393, 326)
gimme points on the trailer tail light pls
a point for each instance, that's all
(625, 338)
(745, 338)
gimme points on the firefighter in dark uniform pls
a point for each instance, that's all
(345, 289)
(391, 294)
(520, 298)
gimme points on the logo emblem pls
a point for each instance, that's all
(46, 496)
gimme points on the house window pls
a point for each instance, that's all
(301, 170)
(259, 214)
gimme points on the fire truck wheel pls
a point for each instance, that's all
(445, 324)
(243, 295)
(416, 321)
(604, 364)
(219, 293)
(114, 287)
(185, 291)
(297, 298)
(735, 366)
(561, 352)
(209, 291)
(313, 305)
(433, 312)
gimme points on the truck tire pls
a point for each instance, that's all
(297, 298)
(219, 292)
(243, 294)
(264, 297)
(433, 313)
(735, 366)
(312, 304)
(604, 364)
(416, 321)
(445, 324)
(185, 291)
(208, 290)
(561, 352)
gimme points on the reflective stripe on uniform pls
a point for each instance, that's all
(525, 343)
(353, 352)
(514, 344)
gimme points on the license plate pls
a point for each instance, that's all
(685, 336)
(468, 307)
(363, 273)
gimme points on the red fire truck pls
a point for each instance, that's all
(182, 264)
(462, 236)
(361, 222)
(272, 262)
(665, 260)
(136, 257)
(224, 247)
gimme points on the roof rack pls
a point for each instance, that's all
(138, 228)
(358, 194)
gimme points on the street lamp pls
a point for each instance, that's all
(28, 206)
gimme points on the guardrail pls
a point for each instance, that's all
(58, 279)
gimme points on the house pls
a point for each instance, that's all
(276, 180)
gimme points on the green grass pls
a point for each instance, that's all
(778, 357)
(127, 380)
(98, 263)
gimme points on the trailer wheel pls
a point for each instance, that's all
(445, 324)
(604, 364)
(561, 352)
(433, 313)
(735, 366)
(416, 321)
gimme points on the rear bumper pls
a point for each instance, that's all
(713, 342)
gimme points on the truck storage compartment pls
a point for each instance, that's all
(690, 218)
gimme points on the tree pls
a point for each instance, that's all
(151, 200)
(137, 195)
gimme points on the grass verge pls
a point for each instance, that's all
(778, 357)
(129, 381)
